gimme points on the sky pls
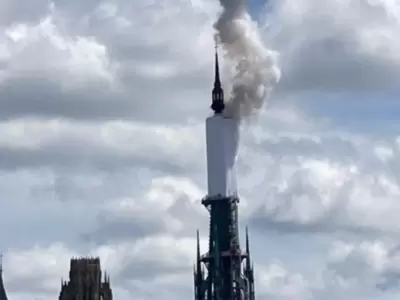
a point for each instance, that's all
(102, 146)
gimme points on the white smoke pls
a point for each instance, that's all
(256, 72)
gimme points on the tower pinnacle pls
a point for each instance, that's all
(218, 104)
(3, 294)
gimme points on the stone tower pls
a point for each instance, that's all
(85, 281)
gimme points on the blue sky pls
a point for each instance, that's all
(255, 6)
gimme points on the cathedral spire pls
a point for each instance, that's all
(218, 104)
(224, 277)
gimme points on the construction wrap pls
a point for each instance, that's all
(222, 146)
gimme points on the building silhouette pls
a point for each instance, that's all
(85, 281)
(3, 294)
(224, 272)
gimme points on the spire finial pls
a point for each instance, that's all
(217, 82)
(1, 262)
(218, 104)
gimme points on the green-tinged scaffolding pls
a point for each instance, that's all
(224, 272)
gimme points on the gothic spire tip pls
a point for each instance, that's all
(217, 93)
(217, 82)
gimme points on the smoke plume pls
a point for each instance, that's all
(256, 71)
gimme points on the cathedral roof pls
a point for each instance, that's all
(3, 294)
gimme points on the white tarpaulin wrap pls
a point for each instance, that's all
(222, 145)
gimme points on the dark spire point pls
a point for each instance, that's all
(217, 82)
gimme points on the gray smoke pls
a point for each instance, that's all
(256, 72)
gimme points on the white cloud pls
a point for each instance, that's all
(337, 45)
(168, 205)
(49, 262)
(102, 147)
(326, 183)
(141, 262)
(278, 283)
(370, 265)
(43, 49)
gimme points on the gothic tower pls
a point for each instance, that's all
(224, 272)
(3, 294)
(85, 282)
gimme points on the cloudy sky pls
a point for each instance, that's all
(102, 107)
